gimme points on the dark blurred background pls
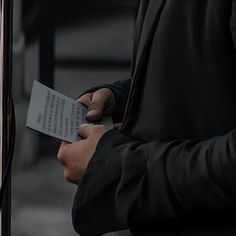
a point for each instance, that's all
(70, 46)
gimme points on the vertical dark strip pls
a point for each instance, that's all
(46, 43)
(7, 82)
(46, 51)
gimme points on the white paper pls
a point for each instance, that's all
(57, 115)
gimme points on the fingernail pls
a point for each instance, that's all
(92, 113)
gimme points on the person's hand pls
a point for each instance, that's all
(99, 103)
(76, 156)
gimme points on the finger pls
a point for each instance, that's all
(86, 99)
(97, 106)
(61, 152)
(64, 143)
(69, 178)
(85, 130)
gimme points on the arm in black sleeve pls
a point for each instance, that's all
(120, 90)
(129, 182)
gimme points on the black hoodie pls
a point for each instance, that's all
(171, 168)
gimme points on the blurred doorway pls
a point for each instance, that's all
(70, 47)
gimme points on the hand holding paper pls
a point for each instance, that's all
(57, 115)
(76, 156)
(99, 103)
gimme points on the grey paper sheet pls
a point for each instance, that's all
(57, 115)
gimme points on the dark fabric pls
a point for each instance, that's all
(171, 169)
(138, 30)
(148, 185)
(190, 77)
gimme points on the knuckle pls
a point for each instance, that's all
(67, 176)
(61, 156)
(106, 91)
(107, 94)
(85, 99)
(95, 104)
(90, 129)
(84, 128)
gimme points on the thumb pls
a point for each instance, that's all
(85, 130)
(97, 106)
(85, 99)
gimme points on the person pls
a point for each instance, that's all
(170, 169)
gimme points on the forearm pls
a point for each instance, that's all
(128, 182)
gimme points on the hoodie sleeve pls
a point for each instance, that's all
(129, 183)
